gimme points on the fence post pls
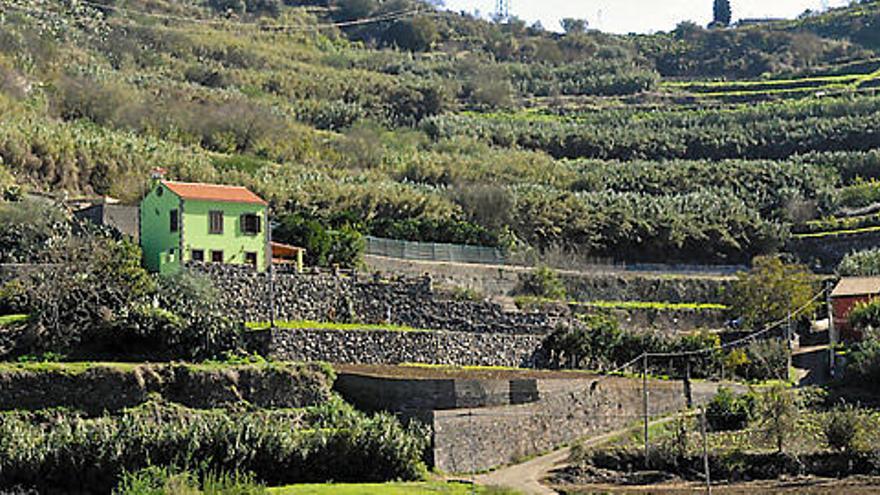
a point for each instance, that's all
(645, 406)
(832, 334)
(705, 450)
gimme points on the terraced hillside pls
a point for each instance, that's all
(397, 120)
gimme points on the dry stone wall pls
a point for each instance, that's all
(395, 347)
(355, 298)
(601, 285)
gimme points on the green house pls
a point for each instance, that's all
(182, 222)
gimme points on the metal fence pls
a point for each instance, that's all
(429, 251)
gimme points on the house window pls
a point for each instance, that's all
(215, 222)
(251, 259)
(250, 224)
(217, 256)
(198, 255)
(174, 221)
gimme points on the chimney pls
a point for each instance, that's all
(157, 175)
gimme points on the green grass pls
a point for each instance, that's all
(633, 305)
(424, 488)
(660, 306)
(317, 325)
(9, 319)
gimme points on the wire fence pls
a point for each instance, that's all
(430, 251)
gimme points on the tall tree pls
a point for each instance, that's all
(722, 13)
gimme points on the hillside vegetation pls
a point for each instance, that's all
(395, 119)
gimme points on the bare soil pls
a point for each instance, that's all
(452, 372)
(808, 486)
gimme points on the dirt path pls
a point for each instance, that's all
(527, 477)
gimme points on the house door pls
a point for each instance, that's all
(251, 259)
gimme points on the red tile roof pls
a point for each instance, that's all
(213, 192)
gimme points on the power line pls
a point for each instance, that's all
(390, 16)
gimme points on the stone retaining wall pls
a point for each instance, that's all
(395, 347)
(601, 285)
(95, 389)
(351, 298)
(823, 254)
(471, 440)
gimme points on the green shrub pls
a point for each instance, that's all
(542, 282)
(844, 428)
(863, 362)
(865, 316)
(860, 264)
(729, 412)
(73, 454)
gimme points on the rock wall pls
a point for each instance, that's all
(95, 389)
(668, 321)
(352, 298)
(395, 347)
(477, 439)
(823, 254)
(601, 285)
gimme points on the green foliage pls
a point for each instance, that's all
(324, 247)
(865, 316)
(844, 428)
(863, 362)
(332, 442)
(778, 410)
(542, 282)
(860, 194)
(771, 290)
(99, 281)
(728, 411)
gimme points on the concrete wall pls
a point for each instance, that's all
(469, 440)
(395, 347)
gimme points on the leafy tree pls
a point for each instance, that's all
(721, 13)
(348, 10)
(415, 35)
(779, 409)
(574, 26)
(771, 290)
(233, 6)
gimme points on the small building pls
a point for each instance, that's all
(110, 213)
(849, 292)
(286, 255)
(182, 222)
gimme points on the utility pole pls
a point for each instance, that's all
(788, 335)
(645, 406)
(705, 450)
(269, 226)
(832, 333)
(502, 10)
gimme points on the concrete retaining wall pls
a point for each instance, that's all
(470, 440)
(395, 347)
